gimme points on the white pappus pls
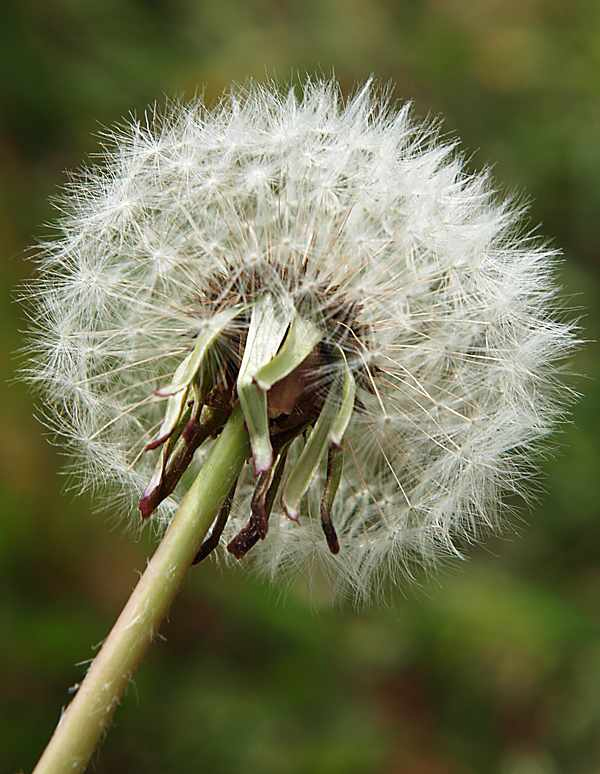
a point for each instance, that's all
(313, 216)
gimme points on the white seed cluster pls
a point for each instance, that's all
(450, 302)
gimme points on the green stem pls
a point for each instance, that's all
(89, 714)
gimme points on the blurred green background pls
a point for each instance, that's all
(494, 666)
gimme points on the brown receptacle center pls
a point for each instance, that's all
(285, 395)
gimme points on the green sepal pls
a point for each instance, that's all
(346, 408)
(307, 463)
(176, 404)
(302, 337)
(328, 431)
(194, 370)
(189, 368)
(267, 329)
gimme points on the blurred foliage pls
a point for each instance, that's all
(492, 667)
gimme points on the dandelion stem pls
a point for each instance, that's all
(90, 712)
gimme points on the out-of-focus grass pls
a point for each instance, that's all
(495, 665)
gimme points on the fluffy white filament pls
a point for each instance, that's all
(457, 297)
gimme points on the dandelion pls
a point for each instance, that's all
(327, 275)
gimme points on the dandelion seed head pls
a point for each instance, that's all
(369, 222)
